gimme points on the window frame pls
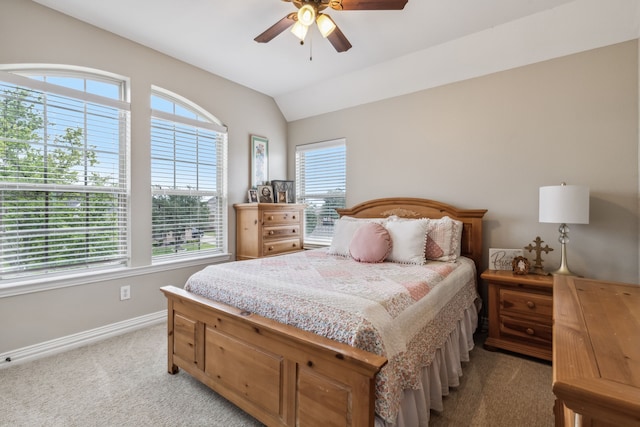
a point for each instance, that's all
(324, 237)
(22, 76)
(206, 121)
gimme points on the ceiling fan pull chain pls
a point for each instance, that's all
(311, 48)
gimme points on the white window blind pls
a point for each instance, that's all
(63, 166)
(188, 177)
(321, 170)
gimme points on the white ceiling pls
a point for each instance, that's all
(429, 43)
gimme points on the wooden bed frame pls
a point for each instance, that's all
(281, 375)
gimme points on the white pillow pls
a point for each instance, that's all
(343, 230)
(409, 238)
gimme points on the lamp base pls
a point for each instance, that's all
(564, 268)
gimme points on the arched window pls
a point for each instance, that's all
(188, 178)
(63, 171)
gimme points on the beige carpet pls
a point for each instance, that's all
(123, 381)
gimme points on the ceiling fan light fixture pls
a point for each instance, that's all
(306, 15)
(325, 25)
(299, 30)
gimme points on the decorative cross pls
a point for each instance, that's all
(537, 267)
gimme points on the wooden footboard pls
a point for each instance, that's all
(281, 375)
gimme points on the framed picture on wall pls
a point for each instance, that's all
(259, 160)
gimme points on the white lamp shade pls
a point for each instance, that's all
(299, 30)
(306, 15)
(564, 204)
(325, 25)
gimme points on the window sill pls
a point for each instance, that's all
(31, 285)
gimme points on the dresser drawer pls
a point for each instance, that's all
(281, 246)
(280, 232)
(522, 328)
(280, 217)
(516, 302)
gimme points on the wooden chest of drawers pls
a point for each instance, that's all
(267, 229)
(520, 312)
(596, 353)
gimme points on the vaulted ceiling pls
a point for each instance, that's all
(429, 43)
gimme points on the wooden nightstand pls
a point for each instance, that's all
(520, 311)
(267, 229)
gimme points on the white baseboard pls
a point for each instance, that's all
(80, 339)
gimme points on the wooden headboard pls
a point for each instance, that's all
(407, 207)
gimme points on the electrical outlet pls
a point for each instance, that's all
(125, 292)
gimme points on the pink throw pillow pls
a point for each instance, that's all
(370, 243)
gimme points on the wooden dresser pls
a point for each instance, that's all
(520, 312)
(596, 352)
(267, 229)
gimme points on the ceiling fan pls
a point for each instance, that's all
(309, 11)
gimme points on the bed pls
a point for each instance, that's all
(285, 375)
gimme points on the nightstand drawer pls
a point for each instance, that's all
(531, 331)
(280, 217)
(520, 308)
(528, 303)
(281, 232)
(281, 246)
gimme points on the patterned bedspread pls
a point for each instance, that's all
(401, 311)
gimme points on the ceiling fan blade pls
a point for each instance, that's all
(338, 40)
(276, 28)
(367, 4)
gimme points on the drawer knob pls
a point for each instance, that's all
(270, 217)
(530, 331)
(294, 245)
(270, 248)
(531, 304)
(293, 216)
(271, 233)
(293, 231)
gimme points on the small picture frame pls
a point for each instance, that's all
(265, 194)
(520, 265)
(282, 197)
(284, 185)
(253, 195)
(500, 259)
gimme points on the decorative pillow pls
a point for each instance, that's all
(343, 230)
(443, 239)
(370, 243)
(409, 238)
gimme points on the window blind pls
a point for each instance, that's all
(63, 174)
(321, 185)
(188, 177)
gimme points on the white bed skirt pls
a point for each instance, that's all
(444, 372)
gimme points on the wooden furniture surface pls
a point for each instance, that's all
(267, 229)
(596, 352)
(520, 311)
(281, 375)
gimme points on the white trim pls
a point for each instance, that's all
(20, 80)
(40, 284)
(59, 345)
(312, 146)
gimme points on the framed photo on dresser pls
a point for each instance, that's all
(284, 185)
(265, 194)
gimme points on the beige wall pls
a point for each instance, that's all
(30, 33)
(492, 141)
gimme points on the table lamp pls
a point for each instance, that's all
(564, 204)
